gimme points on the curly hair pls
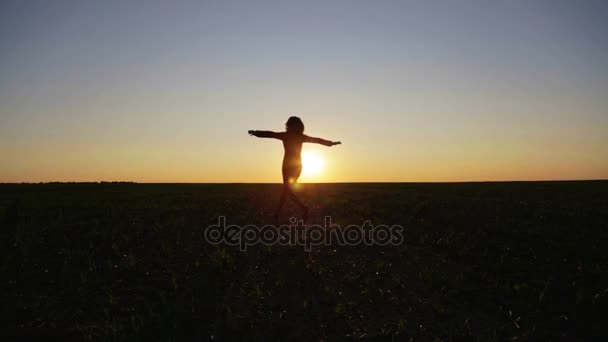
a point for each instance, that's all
(294, 124)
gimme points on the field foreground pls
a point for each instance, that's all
(492, 261)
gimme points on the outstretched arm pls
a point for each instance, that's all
(266, 134)
(320, 141)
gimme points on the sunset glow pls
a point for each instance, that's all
(312, 164)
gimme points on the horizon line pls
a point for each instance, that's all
(354, 182)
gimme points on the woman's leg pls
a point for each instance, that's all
(302, 206)
(284, 194)
(295, 198)
(287, 191)
(290, 177)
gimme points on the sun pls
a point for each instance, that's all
(312, 163)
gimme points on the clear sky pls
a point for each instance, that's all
(165, 91)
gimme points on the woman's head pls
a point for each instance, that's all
(294, 124)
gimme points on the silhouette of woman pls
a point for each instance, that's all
(292, 138)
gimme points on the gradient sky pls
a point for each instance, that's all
(416, 90)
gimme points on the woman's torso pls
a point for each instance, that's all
(292, 143)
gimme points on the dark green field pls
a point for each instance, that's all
(485, 261)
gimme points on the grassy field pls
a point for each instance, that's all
(487, 261)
